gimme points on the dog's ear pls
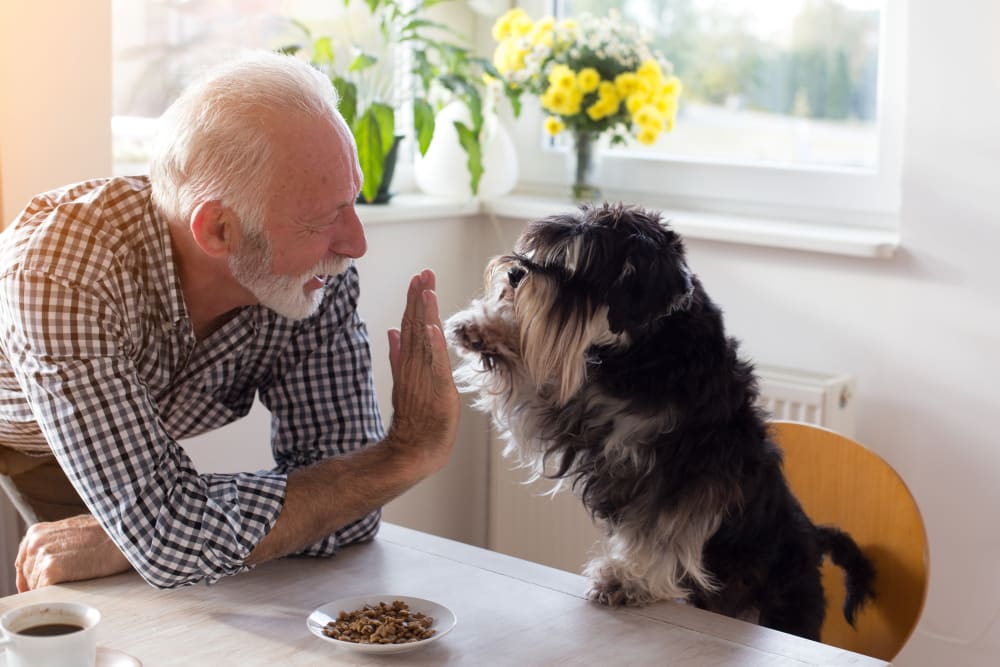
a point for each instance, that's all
(655, 281)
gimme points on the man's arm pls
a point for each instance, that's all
(328, 495)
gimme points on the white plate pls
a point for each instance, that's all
(444, 621)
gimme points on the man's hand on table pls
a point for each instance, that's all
(68, 550)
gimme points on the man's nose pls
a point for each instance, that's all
(351, 240)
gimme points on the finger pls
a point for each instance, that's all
(22, 580)
(409, 313)
(394, 352)
(47, 573)
(432, 311)
(430, 280)
(23, 561)
(439, 350)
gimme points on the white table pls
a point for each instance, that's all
(510, 612)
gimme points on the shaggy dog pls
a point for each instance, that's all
(606, 366)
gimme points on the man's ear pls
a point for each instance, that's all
(215, 228)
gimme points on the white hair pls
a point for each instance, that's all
(211, 144)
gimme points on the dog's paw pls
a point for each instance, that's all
(613, 593)
(468, 335)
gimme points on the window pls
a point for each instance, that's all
(158, 46)
(791, 109)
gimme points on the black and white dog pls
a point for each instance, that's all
(606, 366)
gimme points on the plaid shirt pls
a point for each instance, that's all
(99, 363)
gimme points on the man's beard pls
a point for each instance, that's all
(251, 266)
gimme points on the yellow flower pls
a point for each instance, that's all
(672, 86)
(600, 109)
(541, 33)
(508, 57)
(644, 87)
(563, 101)
(502, 26)
(666, 105)
(520, 25)
(626, 83)
(588, 79)
(608, 91)
(646, 115)
(569, 25)
(650, 69)
(634, 101)
(554, 126)
(573, 103)
(646, 136)
(563, 77)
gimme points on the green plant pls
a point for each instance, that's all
(443, 68)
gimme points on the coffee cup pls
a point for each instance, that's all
(52, 634)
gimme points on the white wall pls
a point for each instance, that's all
(920, 331)
(55, 96)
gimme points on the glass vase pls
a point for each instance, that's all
(584, 162)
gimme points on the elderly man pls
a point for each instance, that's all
(138, 311)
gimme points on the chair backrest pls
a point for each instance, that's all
(19, 503)
(838, 481)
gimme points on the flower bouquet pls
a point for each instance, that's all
(593, 76)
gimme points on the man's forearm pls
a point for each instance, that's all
(326, 496)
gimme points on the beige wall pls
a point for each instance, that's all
(55, 96)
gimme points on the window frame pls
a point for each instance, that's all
(854, 198)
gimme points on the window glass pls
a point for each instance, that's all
(158, 46)
(774, 82)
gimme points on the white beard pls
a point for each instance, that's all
(285, 295)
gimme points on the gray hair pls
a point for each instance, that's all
(210, 143)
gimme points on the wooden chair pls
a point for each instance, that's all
(27, 513)
(840, 482)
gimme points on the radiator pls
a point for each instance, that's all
(555, 530)
(823, 399)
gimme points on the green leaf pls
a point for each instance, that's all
(370, 157)
(362, 61)
(421, 23)
(423, 123)
(385, 117)
(514, 95)
(469, 94)
(323, 51)
(470, 142)
(348, 99)
(373, 134)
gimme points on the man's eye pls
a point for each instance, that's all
(515, 275)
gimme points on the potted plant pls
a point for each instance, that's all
(360, 61)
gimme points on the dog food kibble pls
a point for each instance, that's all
(381, 624)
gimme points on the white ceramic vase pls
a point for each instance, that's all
(443, 171)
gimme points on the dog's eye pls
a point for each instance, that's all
(515, 275)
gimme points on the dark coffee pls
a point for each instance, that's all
(50, 629)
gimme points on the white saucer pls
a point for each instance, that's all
(106, 657)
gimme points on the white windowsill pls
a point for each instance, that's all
(755, 231)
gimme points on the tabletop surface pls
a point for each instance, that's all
(510, 612)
